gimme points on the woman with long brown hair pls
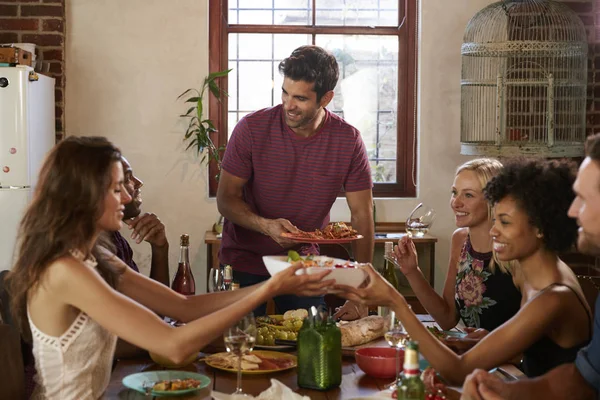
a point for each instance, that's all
(75, 297)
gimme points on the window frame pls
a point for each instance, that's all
(406, 147)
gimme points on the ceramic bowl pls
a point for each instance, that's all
(378, 362)
(343, 276)
(165, 362)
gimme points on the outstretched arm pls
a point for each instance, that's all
(81, 287)
(500, 346)
(441, 308)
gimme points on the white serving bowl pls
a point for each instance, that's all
(343, 276)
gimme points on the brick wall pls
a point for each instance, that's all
(589, 12)
(41, 22)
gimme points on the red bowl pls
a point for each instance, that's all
(378, 362)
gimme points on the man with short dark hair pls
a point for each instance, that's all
(145, 227)
(579, 380)
(283, 169)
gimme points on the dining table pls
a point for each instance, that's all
(355, 383)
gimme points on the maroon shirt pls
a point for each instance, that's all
(289, 177)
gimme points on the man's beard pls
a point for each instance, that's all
(587, 246)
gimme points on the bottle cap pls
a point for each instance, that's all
(184, 240)
(235, 286)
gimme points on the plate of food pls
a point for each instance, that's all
(336, 232)
(279, 327)
(166, 383)
(343, 271)
(256, 362)
(442, 335)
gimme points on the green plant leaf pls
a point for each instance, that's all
(219, 74)
(192, 100)
(186, 92)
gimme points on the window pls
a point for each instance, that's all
(374, 42)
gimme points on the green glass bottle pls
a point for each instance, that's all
(411, 387)
(319, 355)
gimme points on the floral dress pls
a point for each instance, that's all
(484, 299)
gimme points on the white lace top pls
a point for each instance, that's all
(77, 364)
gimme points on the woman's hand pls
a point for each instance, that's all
(287, 282)
(406, 255)
(376, 291)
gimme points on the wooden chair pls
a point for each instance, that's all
(591, 288)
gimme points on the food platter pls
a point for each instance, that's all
(271, 361)
(303, 239)
(140, 381)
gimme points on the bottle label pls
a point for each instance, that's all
(410, 372)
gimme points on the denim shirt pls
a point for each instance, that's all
(588, 358)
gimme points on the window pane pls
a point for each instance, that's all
(357, 12)
(255, 82)
(366, 95)
(265, 12)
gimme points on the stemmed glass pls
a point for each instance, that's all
(420, 220)
(215, 280)
(239, 340)
(396, 337)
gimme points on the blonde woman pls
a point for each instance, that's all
(477, 289)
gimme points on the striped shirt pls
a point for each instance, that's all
(289, 177)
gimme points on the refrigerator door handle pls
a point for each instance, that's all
(15, 187)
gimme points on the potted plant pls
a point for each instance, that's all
(199, 128)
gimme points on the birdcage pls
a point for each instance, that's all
(524, 81)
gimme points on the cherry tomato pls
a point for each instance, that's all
(430, 396)
(395, 394)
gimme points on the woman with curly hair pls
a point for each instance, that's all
(74, 298)
(478, 289)
(530, 199)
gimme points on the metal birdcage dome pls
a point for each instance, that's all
(524, 81)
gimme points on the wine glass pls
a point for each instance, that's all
(420, 220)
(215, 279)
(239, 340)
(396, 337)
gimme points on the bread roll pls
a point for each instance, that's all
(363, 330)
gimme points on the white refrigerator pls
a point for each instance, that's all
(26, 134)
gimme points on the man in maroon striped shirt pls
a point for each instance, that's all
(283, 169)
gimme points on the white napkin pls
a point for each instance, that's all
(277, 391)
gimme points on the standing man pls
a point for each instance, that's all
(144, 226)
(284, 167)
(579, 380)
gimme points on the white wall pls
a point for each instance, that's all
(127, 61)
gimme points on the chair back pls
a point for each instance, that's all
(590, 285)
(12, 378)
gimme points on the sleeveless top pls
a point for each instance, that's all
(544, 355)
(484, 299)
(77, 364)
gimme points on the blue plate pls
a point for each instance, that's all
(141, 380)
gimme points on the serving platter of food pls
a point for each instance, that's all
(166, 383)
(343, 271)
(336, 232)
(279, 327)
(255, 362)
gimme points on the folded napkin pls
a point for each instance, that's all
(277, 391)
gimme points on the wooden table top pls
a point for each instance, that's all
(354, 382)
